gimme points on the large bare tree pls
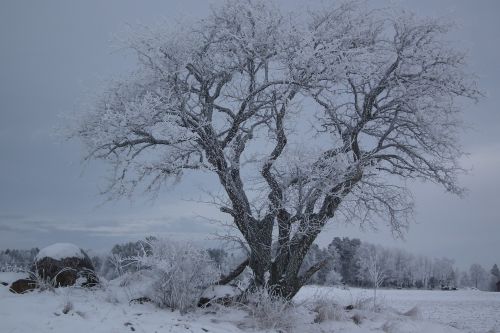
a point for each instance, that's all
(300, 116)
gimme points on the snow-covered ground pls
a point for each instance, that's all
(108, 309)
(468, 310)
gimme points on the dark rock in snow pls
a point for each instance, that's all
(62, 264)
(22, 285)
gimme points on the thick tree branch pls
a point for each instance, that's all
(234, 274)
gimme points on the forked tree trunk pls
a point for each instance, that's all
(280, 274)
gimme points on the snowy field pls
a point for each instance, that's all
(108, 309)
(467, 310)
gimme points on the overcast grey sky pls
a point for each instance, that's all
(53, 53)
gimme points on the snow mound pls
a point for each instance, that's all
(59, 251)
(414, 313)
(220, 292)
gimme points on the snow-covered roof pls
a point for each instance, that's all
(59, 251)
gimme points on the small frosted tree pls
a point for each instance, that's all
(373, 268)
(299, 116)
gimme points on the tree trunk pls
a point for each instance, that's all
(281, 278)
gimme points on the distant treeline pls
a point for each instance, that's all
(353, 262)
(348, 261)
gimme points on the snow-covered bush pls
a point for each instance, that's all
(112, 267)
(121, 259)
(41, 283)
(269, 311)
(326, 310)
(181, 273)
(16, 260)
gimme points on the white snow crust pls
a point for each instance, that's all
(59, 251)
(107, 309)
